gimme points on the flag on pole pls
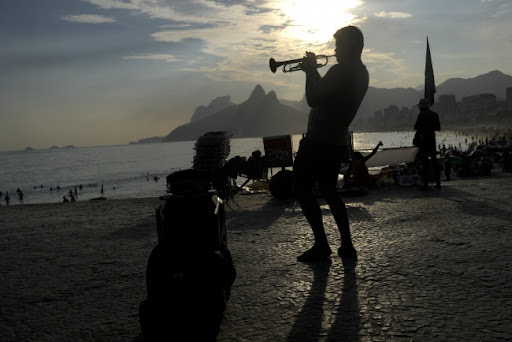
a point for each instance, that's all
(430, 83)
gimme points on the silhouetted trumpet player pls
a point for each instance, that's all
(334, 100)
(274, 65)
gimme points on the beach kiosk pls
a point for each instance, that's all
(278, 150)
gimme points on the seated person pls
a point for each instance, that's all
(357, 173)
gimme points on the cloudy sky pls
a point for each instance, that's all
(102, 72)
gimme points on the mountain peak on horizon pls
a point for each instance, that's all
(257, 94)
(494, 82)
(215, 105)
(272, 97)
(494, 73)
(259, 116)
(498, 72)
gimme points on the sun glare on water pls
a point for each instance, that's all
(316, 21)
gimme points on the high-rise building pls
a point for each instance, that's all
(488, 100)
(447, 104)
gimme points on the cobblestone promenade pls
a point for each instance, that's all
(432, 266)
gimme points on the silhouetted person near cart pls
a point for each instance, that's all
(448, 168)
(426, 125)
(507, 161)
(357, 173)
(334, 100)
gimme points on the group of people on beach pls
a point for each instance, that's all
(7, 198)
(73, 193)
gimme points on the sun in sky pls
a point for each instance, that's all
(314, 22)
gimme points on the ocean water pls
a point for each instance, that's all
(129, 171)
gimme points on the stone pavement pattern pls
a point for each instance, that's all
(432, 266)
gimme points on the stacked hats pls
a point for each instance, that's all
(212, 149)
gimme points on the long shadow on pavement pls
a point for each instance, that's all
(477, 206)
(266, 215)
(308, 325)
(345, 326)
(347, 316)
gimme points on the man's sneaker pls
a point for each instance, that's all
(315, 254)
(347, 251)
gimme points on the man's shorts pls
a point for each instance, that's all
(318, 162)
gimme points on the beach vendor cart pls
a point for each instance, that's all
(279, 154)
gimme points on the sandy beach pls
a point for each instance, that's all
(432, 266)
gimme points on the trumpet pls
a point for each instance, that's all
(274, 65)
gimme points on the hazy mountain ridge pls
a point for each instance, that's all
(265, 115)
(150, 140)
(261, 115)
(494, 82)
(216, 105)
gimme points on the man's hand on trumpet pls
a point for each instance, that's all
(309, 62)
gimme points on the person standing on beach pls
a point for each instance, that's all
(448, 168)
(334, 100)
(426, 125)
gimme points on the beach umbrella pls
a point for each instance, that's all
(430, 83)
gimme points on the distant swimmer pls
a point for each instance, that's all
(58, 187)
(7, 198)
(102, 188)
(20, 195)
(65, 199)
(72, 198)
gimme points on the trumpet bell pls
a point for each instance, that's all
(273, 65)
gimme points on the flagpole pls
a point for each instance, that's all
(430, 84)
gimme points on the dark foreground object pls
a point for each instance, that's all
(190, 272)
